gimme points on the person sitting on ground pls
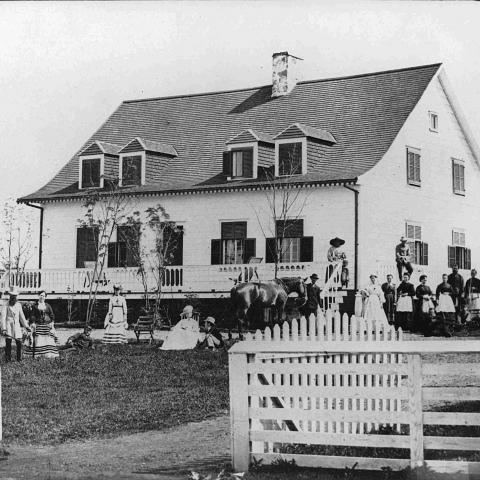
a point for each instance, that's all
(213, 338)
(81, 340)
(185, 334)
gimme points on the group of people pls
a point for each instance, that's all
(34, 331)
(421, 309)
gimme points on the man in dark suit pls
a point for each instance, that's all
(455, 280)
(313, 297)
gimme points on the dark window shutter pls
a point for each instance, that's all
(270, 251)
(87, 239)
(248, 162)
(216, 252)
(424, 253)
(231, 230)
(249, 249)
(112, 255)
(289, 228)
(227, 164)
(413, 252)
(468, 259)
(306, 249)
(451, 256)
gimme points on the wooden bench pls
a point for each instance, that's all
(145, 324)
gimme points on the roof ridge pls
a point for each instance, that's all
(303, 82)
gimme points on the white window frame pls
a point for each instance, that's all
(461, 162)
(239, 146)
(143, 165)
(303, 141)
(417, 151)
(413, 224)
(460, 231)
(80, 168)
(431, 125)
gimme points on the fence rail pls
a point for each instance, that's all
(304, 392)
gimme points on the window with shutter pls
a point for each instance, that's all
(125, 251)
(240, 163)
(418, 249)
(290, 158)
(458, 177)
(87, 241)
(458, 254)
(91, 172)
(233, 242)
(173, 238)
(413, 167)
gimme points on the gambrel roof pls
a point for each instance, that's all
(361, 113)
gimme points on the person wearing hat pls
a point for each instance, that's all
(313, 297)
(402, 257)
(373, 300)
(12, 319)
(472, 295)
(185, 334)
(116, 319)
(405, 294)
(213, 337)
(334, 255)
(81, 340)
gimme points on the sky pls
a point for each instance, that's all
(65, 67)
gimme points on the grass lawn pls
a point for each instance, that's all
(108, 391)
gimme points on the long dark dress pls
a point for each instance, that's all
(445, 310)
(403, 315)
(389, 306)
(424, 310)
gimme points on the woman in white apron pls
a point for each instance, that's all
(425, 308)
(373, 302)
(405, 294)
(185, 334)
(445, 308)
(116, 319)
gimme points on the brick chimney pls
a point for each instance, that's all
(285, 73)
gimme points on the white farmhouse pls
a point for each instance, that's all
(372, 157)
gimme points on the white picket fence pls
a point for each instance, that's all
(336, 381)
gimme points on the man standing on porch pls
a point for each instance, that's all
(390, 293)
(455, 280)
(402, 257)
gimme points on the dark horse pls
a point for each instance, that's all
(272, 293)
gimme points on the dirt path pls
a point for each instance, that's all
(150, 455)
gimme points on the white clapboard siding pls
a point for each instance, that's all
(338, 380)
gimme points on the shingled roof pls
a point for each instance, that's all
(364, 113)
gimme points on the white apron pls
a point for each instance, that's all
(445, 303)
(404, 304)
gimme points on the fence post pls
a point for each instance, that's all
(415, 409)
(239, 425)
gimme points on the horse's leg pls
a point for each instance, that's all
(241, 320)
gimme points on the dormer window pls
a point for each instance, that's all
(97, 161)
(131, 170)
(241, 160)
(297, 144)
(91, 176)
(290, 158)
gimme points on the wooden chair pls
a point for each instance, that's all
(145, 324)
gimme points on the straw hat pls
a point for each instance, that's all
(210, 320)
(337, 242)
(13, 291)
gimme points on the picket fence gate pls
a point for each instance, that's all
(305, 390)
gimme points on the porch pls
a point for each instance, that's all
(206, 281)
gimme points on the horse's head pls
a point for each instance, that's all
(296, 285)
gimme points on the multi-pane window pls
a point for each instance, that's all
(125, 251)
(458, 177)
(413, 166)
(433, 121)
(290, 158)
(290, 245)
(87, 245)
(233, 247)
(238, 163)
(418, 248)
(132, 170)
(90, 172)
(458, 253)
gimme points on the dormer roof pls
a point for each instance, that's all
(250, 135)
(101, 148)
(297, 130)
(138, 144)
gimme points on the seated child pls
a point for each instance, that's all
(80, 340)
(213, 337)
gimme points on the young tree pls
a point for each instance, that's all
(284, 206)
(16, 237)
(105, 211)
